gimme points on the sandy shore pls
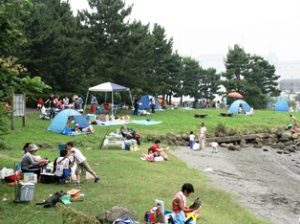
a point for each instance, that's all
(265, 182)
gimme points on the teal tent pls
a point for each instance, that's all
(282, 106)
(59, 122)
(144, 102)
(234, 107)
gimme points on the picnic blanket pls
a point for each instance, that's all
(111, 123)
(146, 122)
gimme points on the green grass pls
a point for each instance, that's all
(126, 180)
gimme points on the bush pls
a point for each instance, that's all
(220, 130)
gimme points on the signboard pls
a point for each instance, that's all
(19, 105)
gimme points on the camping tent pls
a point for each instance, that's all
(144, 102)
(108, 87)
(234, 107)
(281, 105)
(59, 123)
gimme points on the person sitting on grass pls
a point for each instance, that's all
(157, 151)
(130, 134)
(32, 163)
(81, 162)
(179, 206)
(63, 169)
(25, 147)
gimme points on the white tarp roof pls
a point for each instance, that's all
(108, 87)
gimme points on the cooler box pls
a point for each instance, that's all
(25, 192)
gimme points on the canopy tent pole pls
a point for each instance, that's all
(131, 98)
(112, 103)
(86, 99)
(105, 97)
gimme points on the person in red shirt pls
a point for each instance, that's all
(39, 103)
(157, 151)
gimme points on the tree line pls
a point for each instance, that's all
(72, 52)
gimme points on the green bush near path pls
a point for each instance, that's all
(126, 180)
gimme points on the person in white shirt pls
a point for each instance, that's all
(80, 161)
(66, 101)
(191, 140)
(62, 168)
(202, 137)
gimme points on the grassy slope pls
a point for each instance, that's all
(126, 180)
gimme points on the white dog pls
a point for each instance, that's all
(215, 147)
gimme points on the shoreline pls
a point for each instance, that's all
(265, 182)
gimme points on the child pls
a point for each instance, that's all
(179, 206)
(157, 151)
(191, 140)
(214, 146)
(80, 160)
(62, 169)
(202, 137)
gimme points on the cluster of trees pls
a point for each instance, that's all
(72, 52)
(13, 76)
(251, 75)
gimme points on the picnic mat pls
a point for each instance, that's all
(111, 123)
(146, 122)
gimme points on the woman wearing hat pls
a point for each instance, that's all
(30, 163)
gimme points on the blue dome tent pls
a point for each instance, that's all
(234, 107)
(59, 123)
(144, 103)
(281, 105)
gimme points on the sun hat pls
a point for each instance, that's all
(32, 147)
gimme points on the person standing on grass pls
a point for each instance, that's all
(94, 103)
(81, 162)
(152, 105)
(294, 121)
(191, 140)
(202, 136)
(136, 106)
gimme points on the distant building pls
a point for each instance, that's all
(290, 85)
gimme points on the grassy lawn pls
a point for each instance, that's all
(126, 180)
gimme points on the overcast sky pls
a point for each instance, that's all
(208, 27)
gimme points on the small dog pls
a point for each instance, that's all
(215, 147)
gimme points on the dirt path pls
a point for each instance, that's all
(265, 182)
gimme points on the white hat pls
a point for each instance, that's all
(32, 147)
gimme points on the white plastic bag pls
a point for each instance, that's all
(5, 172)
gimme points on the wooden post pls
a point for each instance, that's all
(12, 118)
(23, 121)
(24, 116)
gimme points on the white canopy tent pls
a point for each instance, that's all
(108, 87)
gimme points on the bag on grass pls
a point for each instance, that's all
(52, 200)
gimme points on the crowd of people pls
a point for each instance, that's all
(69, 156)
(57, 102)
